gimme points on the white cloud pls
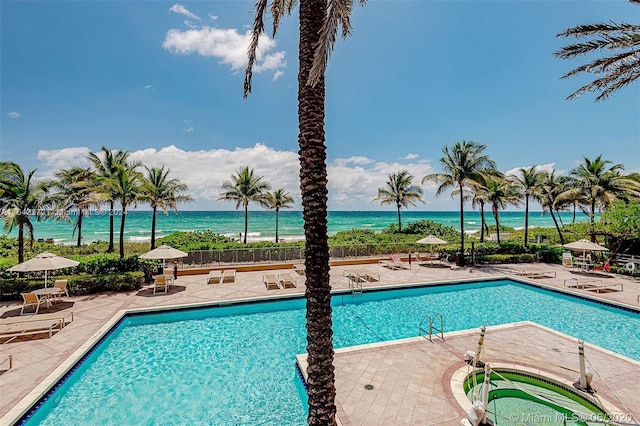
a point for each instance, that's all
(540, 168)
(13, 114)
(213, 17)
(411, 156)
(189, 129)
(228, 45)
(353, 182)
(65, 158)
(180, 9)
(148, 86)
(277, 75)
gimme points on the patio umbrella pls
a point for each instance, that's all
(164, 252)
(584, 246)
(44, 262)
(431, 239)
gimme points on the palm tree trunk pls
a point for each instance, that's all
(124, 216)
(574, 213)
(153, 227)
(555, 222)
(399, 220)
(461, 224)
(313, 185)
(79, 243)
(111, 219)
(526, 221)
(495, 215)
(20, 243)
(246, 221)
(277, 225)
(482, 222)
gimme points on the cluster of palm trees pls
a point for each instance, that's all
(472, 176)
(245, 186)
(76, 191)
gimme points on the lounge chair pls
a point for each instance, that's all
(353, 275)
(604, 268)
(160, 282)
(270, 282)
(286, 281)
(299, 268)
(31, 299)
(368, 275)
(394, 262)
(214, 277)
(593, 285)
(567, 261)
(12, 328)
(533, 274)
(229, 276)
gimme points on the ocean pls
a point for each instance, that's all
(262, 223)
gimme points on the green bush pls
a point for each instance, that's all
(506, 258)
(10, 288)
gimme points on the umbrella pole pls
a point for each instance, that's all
(45, 278)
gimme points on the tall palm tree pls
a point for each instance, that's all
(599, 184)
(124, 186)
(619, 69)
(106, 164)
(279, 199)
(550, 188)
(479, 199)
(245, 186)
(529, 180)
(500, 193)
(21, 199)
(162, 193)
(318, 22)
(76, 190)
(462, 165)
(400, 191)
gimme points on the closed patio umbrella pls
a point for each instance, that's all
(44, 262)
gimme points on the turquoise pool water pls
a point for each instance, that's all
(236, 364)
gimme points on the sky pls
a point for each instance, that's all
(163, 80)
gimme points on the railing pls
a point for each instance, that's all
(289, 254)
(431, 327)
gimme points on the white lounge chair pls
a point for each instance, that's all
(229, 276)
(214, 277)
(270, 282)
(286, 281)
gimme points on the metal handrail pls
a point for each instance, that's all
(432, 327)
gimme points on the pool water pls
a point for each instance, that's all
(236, 364)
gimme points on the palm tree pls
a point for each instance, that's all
(462, 165)
(479, 199)
(279, 199)
(550, 188)
(125, 186)
(400, 191)
(500, 193)
(76, 191)
(243, 188)
(618, 70)
(106, 166)
(318, 23)
(600, 184)
(529, 181)
(162, 193)
(21, 198)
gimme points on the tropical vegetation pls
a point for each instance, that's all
(400, 191)
(276, 200)
(615, 70)
(245, 186)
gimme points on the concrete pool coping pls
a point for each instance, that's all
(87, 340)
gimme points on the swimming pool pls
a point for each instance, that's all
(236, 364)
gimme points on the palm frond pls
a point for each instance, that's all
(256, 32)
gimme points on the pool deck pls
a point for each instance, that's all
(417, 395)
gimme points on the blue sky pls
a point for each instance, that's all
(163, 80)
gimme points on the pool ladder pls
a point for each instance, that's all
(428, 326)
(355, 284)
